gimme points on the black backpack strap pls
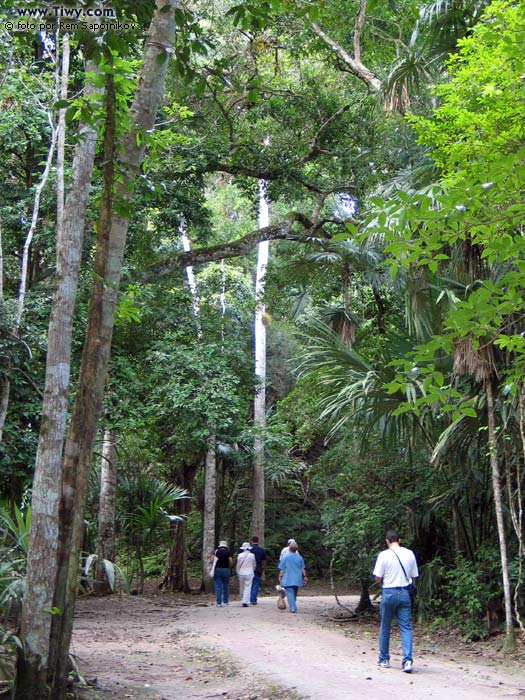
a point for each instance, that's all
(401, 563)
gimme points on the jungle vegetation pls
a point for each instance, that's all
(261, 272)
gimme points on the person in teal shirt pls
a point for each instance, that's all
(292, 575)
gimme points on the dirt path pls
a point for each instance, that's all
(158, 648)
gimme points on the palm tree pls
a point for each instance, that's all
(144, 516)
(353, 260)
(422, 56)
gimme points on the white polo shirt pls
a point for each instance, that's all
(388, 568)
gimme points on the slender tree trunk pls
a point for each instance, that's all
(365, 604)
(259, 408)
(5, 390)
(5, 384)
(380, 306)
(209, 514)
(32, 668)
(106, 512)
(32, 228)
(111, 239)
(192, 282)
(510, 640)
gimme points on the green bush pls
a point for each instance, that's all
(469, 590)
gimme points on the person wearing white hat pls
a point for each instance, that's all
(244, 568)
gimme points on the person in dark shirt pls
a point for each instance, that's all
(222, 573)
(260, 562)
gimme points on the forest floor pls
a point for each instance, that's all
(166, 647)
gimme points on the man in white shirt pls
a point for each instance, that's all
(396, 568)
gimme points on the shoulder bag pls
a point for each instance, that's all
(410, 588)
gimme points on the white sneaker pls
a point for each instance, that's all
(383, 664)
(407, 666)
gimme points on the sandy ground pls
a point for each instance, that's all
(167, 648)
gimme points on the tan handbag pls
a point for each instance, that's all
(281, 600)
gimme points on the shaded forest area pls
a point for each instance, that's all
(261, 273)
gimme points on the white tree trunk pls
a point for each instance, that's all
(5, 383)
(106, 512)
(190, 276)
(32, 227)
(259, 409)
(209, 514)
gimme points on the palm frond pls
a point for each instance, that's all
(351, 391)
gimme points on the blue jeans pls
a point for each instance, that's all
(291, 597)
(221, 579)
(255, 587)
(395, 602)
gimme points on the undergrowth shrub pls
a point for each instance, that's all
(470, 590)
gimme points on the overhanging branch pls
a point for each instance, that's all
(281, 231)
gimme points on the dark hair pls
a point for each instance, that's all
(293, 547)
(392, 536)
(255, 538)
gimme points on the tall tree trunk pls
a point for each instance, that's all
(190, 276)
(32, 228)
(5, 384)
(106, 512)
(259, 408)
(210, 508)
(176, 577)
(32, 668)
(111, 240)
(5, 390)
(209, 516)
(510, 640)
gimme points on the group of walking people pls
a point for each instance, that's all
(395, 568)
(249, 568)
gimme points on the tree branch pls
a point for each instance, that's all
(281, 231)
(275, 174)
(354, 65)
(358, 28)
(314, 147)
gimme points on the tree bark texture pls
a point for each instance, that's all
(510, 640)
(32, 667)
(111, 240)
(176, 577)
(209, 512)
(106, 512)
(242, 246)
(5, 382)
(259, 407)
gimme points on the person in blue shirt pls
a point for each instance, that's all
(292, 575)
